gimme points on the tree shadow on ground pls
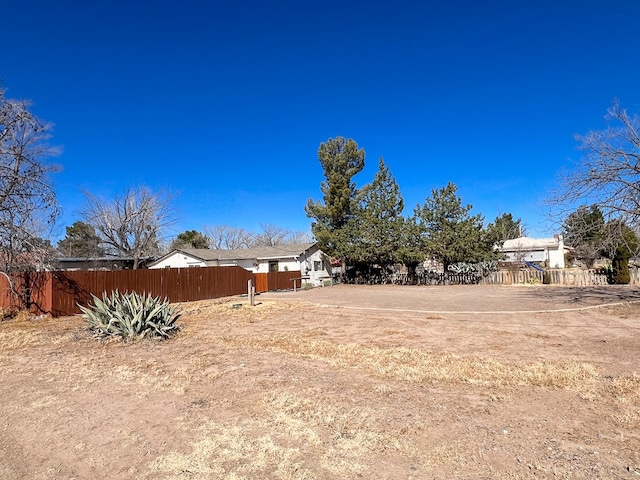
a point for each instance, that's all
(587, 295)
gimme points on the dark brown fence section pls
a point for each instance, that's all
(27, 289)
(59, 293)
(176, 284)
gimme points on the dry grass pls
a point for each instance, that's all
(417, 366)
(310, 404)
(292, 437)
(237, 310)
(625, 391)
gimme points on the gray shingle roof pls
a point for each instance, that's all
(258, 253)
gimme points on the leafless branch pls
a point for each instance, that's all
(28, 202)
(131, 224)
(608, 174)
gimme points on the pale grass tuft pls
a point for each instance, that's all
(149, 378)
(625, 389)
(289, 431)
(446, 453)
(418, 366)
(229, 451)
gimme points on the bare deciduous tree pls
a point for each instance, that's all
(270, 236)
(273, 235)
(225, 237)
(608, 175)
(132, 224)
(296, 237)
(28, 205)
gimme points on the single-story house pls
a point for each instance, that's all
(306, 258)
(549, 252)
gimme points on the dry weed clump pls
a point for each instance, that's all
(23, 332)
(625, 390)
(417, 366)
(298, 435)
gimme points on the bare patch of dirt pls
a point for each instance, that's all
(341, 382)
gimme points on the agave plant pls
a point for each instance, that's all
(130, 316)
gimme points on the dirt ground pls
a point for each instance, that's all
(372, 382)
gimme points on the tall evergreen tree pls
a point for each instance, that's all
(379, 221)
(503, 228)
(190, 239)
(81, 241)
(451, 233)
(412, 250)
(332, 225)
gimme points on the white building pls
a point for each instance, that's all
(549, 252)
(306, 258)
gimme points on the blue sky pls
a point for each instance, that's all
(227, 102)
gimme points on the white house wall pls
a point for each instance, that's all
(179, 260)
(553, 258)
(535, 256)
(556, 258)
(315, 266)
(284, 265)
(312, 264)
(247, 264)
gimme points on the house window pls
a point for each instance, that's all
(317, 265)
(273, 266)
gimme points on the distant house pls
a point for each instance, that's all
(305, 258)
(548, 252)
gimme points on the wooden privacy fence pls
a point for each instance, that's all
(569, 276)
(28, 288)
(276, 281)
(59, 293)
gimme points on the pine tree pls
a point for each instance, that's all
(379, 220)
(81, 241)
(333, 218)
(503, 228)
(190, 239)
(451, 233)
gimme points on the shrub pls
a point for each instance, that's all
(131, 316)
(621, 274)
(617, 273)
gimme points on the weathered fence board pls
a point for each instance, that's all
(33, 289)
(59, 293)
(572, 276)
(176, 284)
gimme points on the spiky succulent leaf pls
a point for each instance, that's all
(131, 315)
